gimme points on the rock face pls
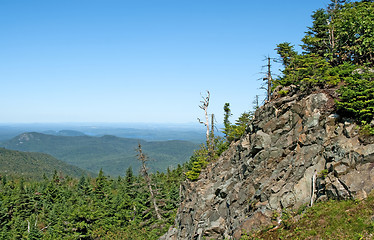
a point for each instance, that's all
(290, 140)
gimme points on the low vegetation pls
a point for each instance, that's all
(349, 219)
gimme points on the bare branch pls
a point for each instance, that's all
(198, 119)
(143, 158)
(204, 106)
(45, 227)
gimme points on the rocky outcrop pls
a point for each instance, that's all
(272, 167)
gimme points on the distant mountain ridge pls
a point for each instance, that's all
(148, 132)
(66, 133)
(34, 165)
(110, 153)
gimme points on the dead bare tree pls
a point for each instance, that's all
(144, 170)
(332, 9)
(204, 106)
(268, 79)
(209, 126)
(211, 140)
(255, 102)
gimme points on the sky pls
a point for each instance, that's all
(147, 61)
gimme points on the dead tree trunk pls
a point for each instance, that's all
(255, 102)
(209, 127)
(211, 140)
(143, 158)
(331, 28)
(269, 80)
(204, 106)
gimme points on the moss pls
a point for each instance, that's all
(283, 92)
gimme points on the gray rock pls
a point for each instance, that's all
(261, 140)
(272, 167)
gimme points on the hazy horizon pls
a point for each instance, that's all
(145, 131)
(111, 124)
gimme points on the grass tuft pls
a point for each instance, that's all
(349, 219)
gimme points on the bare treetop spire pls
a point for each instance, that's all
(204, 106)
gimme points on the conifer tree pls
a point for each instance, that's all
(286, 52)
(129, 177)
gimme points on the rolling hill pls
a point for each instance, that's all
(32, 165)
(66, 133)
(112, 154)
(147, 132)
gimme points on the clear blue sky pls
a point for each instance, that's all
(138, 60)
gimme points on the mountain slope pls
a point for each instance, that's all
(291, 141)
(113, 154)
(34, 165)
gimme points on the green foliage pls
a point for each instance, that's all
(235, 131)
(238, 129)
(316, 38)
(31, 165)
(354, 24)
(338, 49)
(286, 52)
(323, 173)
(350, 219)
(99, 208)
(342, 32)
(357, 96)
(283, 92)
(309, 71)
(202, 156)
(129, 177)
(366, 129)
(198, 161)
(110, 153)
(226, 121)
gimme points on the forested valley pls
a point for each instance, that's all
(62, 207)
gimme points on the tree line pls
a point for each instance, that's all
(338, 51)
